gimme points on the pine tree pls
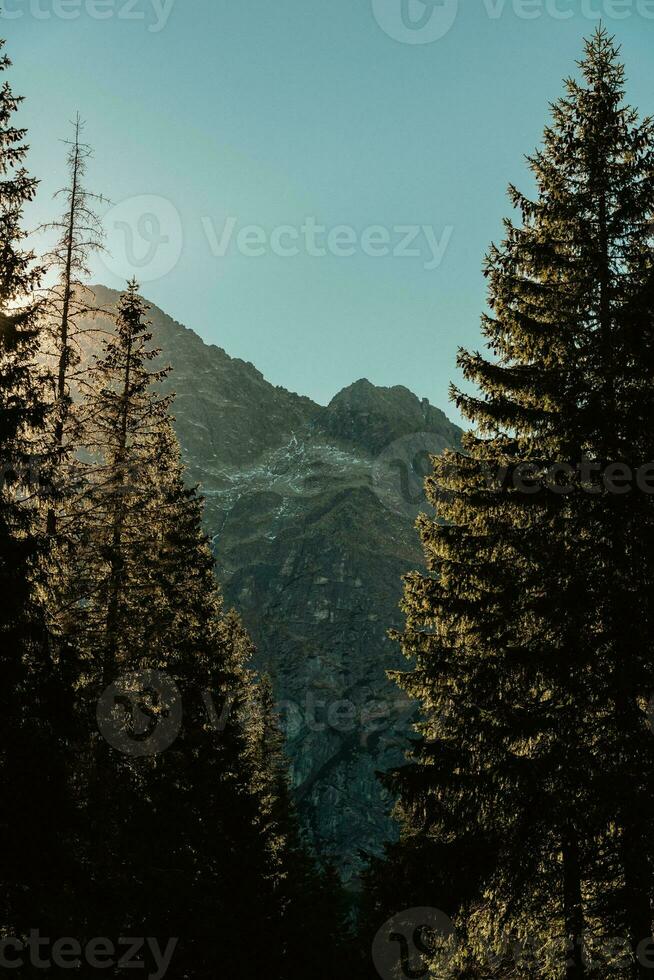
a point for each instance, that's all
(32, 702)
(528, 631)
(119, 420)
(197, 844)
(202, 840)
(103, 590)
(21, 388)
(232, 875)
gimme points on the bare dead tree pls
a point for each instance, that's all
(70, 304)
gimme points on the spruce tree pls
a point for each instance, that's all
(100, 589)
(222, 860)
(198, 843)
(32, 702)
(528, 630)
(21, 386)
(120, 417)
(203, 841)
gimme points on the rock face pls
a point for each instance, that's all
(310, 511)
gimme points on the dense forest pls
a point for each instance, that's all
(146, 789)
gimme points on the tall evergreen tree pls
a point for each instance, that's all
(21, 386)
(32, 767)
(528, 631)
(120, 418)
(203, 839)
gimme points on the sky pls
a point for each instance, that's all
(310, 185)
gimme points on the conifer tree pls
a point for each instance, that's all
(227, 839)
(32, 769)
(198, 843)
(203, 839)
(119, 420)
(21, 387)
(104, 591)
(528, 631)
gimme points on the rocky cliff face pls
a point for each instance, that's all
(310, 511)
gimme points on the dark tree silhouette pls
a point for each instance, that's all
(530, 630)
(35, 817)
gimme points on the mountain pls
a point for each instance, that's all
(310, 510)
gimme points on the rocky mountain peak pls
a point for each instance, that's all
(372, 416)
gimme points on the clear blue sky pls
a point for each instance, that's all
(270, 113)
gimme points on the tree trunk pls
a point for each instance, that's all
(63, 337)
